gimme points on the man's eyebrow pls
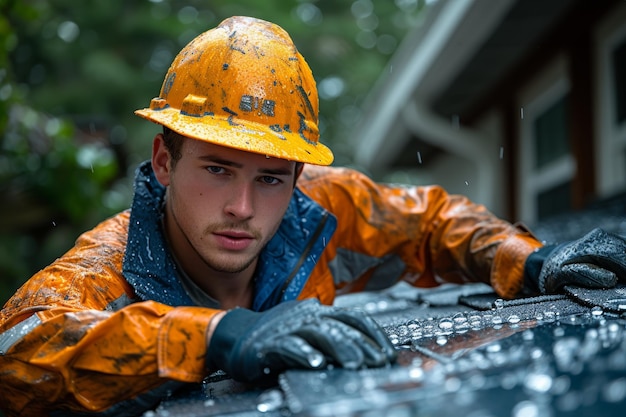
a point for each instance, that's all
(219, 160)
(276, 171)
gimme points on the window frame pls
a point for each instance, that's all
(611, 146)
(549, 87)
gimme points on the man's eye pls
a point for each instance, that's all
(215, 170)
(270, 180)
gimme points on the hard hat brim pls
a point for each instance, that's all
(242, 135)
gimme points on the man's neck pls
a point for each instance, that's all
(229, 289)
(226, 293)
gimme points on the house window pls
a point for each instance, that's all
(551, 134)
(554, 200)
(611, 103)
(547, 166)
(551, 153)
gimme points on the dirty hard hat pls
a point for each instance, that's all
(243, 85)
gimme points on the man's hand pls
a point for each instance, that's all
(250, 346)
(596, 260)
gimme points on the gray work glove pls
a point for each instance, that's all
(597, 260)
(252, 346)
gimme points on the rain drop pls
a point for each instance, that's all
(536, 354)
(494, 347)
(549, 316)
(597, 311)
(615, 391)
(538, 382)
(526, 409)
(453, 385)
(513, 319)
(614, 327)
(270, 400)
(315, 359)
(382, 305)
(560, 385)
(461, 324)
(350, 387)
(474, 321)
(415, 372)
(568, 402)
(445, 324)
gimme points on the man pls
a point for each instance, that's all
(236, 230)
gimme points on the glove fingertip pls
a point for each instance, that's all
(591, 276)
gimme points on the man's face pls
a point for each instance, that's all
(223, 204)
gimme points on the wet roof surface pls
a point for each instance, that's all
(462, 352)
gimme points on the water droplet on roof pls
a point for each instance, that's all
(615, 391)
(445, 324)
(538, 382)
(513, 319)
(597, 311)
(526, 409)
(270, 400)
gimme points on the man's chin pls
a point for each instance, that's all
(232, 266)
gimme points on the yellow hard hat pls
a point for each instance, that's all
(243, 85)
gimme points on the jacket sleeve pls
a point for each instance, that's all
(66, 344)
(422, 235)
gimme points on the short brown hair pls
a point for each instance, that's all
(173, 144)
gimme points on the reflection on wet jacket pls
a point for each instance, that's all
(108, 327)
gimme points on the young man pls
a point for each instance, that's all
(238, 240)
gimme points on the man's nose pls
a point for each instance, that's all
(241, 201)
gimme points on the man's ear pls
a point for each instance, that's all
(161, 160)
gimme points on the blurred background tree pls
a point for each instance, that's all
(71, 74)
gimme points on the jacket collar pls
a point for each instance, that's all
(284, 265)
(148, 266)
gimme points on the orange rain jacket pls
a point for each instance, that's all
(109, 328)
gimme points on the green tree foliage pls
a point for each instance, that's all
(72, 73)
